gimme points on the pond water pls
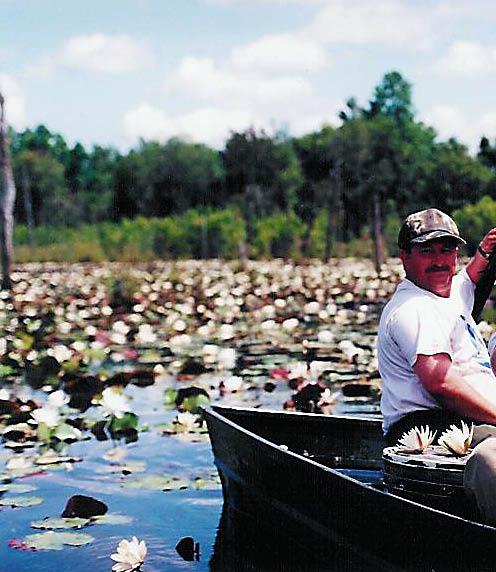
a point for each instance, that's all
(106, 367)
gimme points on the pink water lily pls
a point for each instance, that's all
(457, 440)
(417, 440)
(130, 555)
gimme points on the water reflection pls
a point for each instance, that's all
(262, 544)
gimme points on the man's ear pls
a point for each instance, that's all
(404, 255)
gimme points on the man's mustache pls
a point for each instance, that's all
(438, 269)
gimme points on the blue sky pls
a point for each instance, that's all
(112, 71)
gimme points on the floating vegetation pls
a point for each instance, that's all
(56, 540)
(18, 501)
(104, 371)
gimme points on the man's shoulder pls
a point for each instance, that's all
(406, 299)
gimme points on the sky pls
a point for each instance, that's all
(110, 72)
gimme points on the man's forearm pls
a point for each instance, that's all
(459, 396)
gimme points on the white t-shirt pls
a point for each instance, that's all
(415, 322)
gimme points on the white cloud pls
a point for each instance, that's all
(105, 53)
(206, 125)
(281, 51)
(202, 79)
(450, 121)
(387, 22)
(15, 101)
(468, 59)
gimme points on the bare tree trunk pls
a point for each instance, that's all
(379, 255)
(7, 200)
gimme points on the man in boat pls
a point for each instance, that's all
(434, 364)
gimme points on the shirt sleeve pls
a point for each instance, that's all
(465, 289)
(418, 329)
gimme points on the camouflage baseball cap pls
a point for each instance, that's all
(427, 225)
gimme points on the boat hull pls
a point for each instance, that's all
(331, 502)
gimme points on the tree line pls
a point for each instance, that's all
(378, 165)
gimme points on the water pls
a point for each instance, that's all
(56, 305)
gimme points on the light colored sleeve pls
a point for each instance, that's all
(465, 288)
(418, 329)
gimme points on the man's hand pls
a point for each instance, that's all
(448, 386)
(488, 243)
(478, 264)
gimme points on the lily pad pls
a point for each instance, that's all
(50, 458)
(208, 484)
(156, 483)
(52, 523)
(20, 501)
(65, 432)
(112, 519)
(127, 468)
(16, 488)
(56, 540)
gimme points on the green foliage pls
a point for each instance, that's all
(122, 426)
(194, 403)
(278, 235)
(180, 200)
(475, 220)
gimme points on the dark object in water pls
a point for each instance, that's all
(192, 391)
(83, 507)
(188, 549)
(307, 399)
(360, 389)
(322, 475)
(192, 367)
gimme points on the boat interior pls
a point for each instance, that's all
(353, 447)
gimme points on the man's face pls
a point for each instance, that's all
(432, 264)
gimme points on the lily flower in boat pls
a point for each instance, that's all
(457, 440)
(130, 555)
(417, 440)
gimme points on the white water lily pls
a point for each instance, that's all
(226, 331)
(297, 370)
(118, 338)
(233, 383)
(417, 440)
(290, 324)
(146, 335)
(457, 440)
(325, 337)
(120, 327)
(226, 358)
(50, 416)
(114, 402)
(179, 325)
(130, 555)
(57, 399)
(60, 352)
(186, 420)
(318, 367)
(312, 308)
